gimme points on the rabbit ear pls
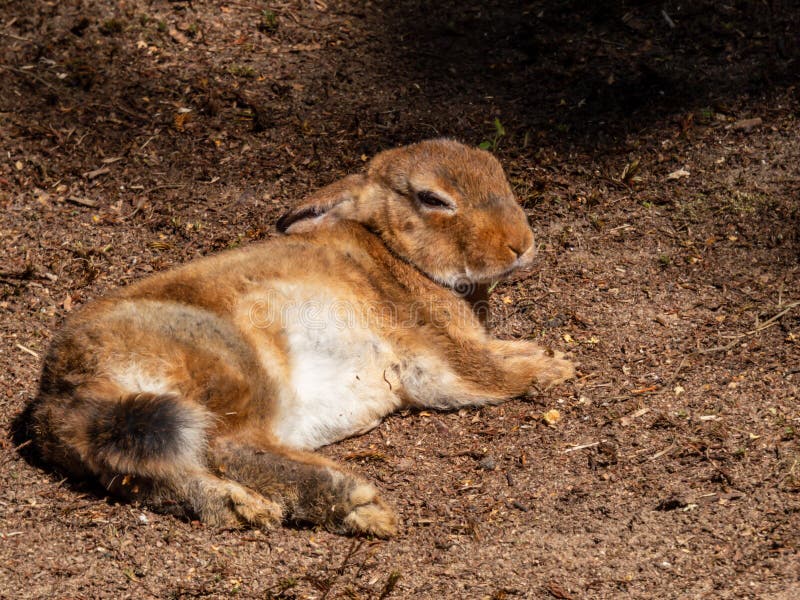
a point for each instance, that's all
(332, 203)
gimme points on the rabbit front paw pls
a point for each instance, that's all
(553, 369)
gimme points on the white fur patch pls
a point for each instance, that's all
(193, 436)
(134, 378)
(189, 439)
(429, 381)
(341, 378)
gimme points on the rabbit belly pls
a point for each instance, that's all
(343, 381)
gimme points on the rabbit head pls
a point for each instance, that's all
(444, 207)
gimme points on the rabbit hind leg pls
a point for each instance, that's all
(214, 500)
(160, 441)
(310, 488)
(149, 448)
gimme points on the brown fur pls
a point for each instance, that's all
(171, 391)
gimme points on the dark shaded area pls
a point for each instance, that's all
(585, 72)
(20, 434)
(86, 83)
(578, 73)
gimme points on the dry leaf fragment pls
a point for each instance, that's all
(177, 36)
(628, 174)
(628, 419)
(557, 591)
(180, 120)
(679, 174)
(551, 417)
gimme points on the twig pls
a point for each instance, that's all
(719, 469)
(662, 453)
(354, 548)
(766, 324)
(28, 350)
(29, 272)
(166, 186)
(716, 348)
(15, 37)
(15, 283)
(15, 450)
(645, 390)
(11, 35)
(28, 74)
(10, 534)
(96, 173)
(672, 379)
(581, 447)
(390, 584)
(150, 139)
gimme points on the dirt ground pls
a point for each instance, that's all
(656, 149)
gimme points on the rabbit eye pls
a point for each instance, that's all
(431, 200)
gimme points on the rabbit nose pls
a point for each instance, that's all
(523, 252)
(517, 252)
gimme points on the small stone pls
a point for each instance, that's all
(488, 462)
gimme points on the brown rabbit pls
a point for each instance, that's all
(205, 387)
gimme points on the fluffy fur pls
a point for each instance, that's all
(207, 386)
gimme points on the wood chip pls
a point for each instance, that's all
(664, 319)
(96, 173)
(82, 201)
(747, 124)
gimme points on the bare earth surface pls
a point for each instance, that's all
(658, 158)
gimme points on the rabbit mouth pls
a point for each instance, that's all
(466, 282)
(492, 277)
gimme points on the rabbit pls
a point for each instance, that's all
(204, 390)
